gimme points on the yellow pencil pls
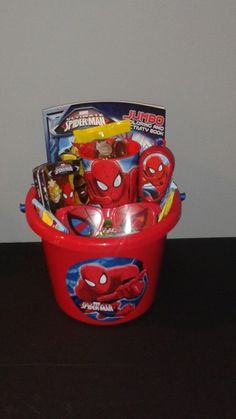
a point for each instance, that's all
(167, 206)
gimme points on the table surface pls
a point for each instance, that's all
(178, 360)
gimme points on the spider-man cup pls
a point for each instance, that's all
(111, 181)
(114, 181)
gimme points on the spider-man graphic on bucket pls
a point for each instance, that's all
(109, 291)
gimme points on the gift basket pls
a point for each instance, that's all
(103, 204)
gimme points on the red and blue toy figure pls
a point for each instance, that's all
(67, 193)
(155, 172)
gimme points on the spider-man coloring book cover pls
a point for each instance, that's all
(147, 124)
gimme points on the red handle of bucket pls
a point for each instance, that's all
(70, 241)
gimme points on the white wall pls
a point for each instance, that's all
(180, 54)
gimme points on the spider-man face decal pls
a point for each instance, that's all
(107, 178)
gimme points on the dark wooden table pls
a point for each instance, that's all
(177, 361)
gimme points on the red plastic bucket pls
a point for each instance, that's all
(104, 281)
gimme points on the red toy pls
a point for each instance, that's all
(155, 173)
(67, 193)
(66, 251)
(88, 220)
